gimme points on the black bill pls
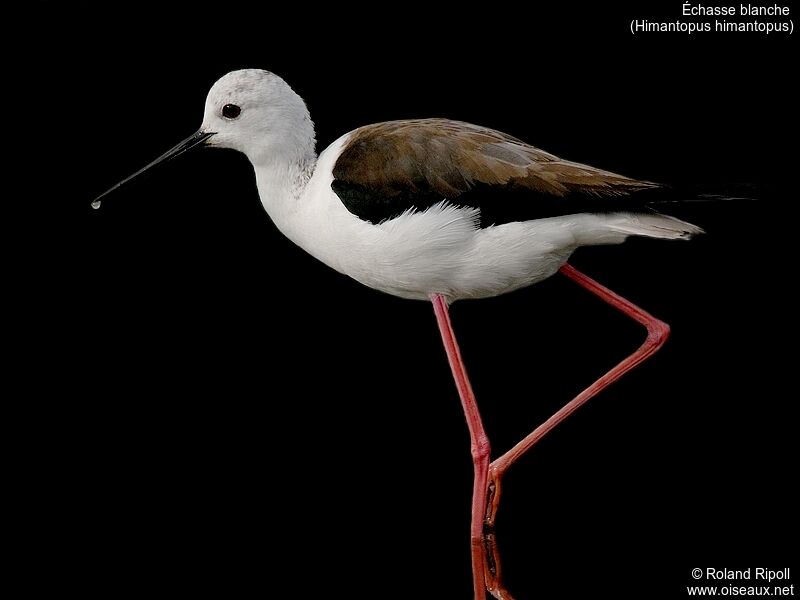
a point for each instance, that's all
(193, 140)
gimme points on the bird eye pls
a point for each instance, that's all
(231, 111)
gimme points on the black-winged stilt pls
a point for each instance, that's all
(436, 210)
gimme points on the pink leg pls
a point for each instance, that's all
(657, 334)
(479, 444)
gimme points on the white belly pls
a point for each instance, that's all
(442, 251)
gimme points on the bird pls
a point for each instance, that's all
(436, 210)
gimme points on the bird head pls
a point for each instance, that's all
(257, 113)
(252, 111)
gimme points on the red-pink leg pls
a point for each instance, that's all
(479, 443)
(657, 334)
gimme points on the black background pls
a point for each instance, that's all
(210, 410)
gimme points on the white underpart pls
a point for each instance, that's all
(440, 250)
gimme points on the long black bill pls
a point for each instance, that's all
(193, 140)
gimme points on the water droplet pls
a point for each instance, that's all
(96, 204)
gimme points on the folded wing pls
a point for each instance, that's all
(388, 168)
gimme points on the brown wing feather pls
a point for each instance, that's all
(450, 156)
(391, 167)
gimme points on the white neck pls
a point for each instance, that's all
(284, 158)
(281, 184)
(298, 197)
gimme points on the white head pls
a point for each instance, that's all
(257, 113)
(252, 111)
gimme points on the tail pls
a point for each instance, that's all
(637, 214)
(654, 225)
(614, 228)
